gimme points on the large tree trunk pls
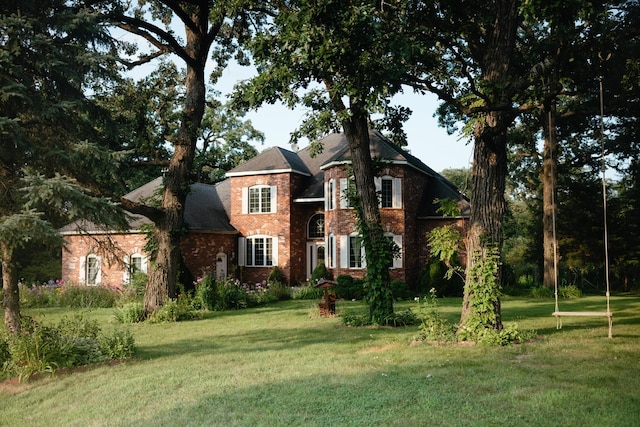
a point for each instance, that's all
(164, 270)
(549, 205)
(378, 290)
(485, 235)
(10, 290)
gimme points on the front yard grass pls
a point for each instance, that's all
(283, 365)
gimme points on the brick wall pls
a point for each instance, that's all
(112, 248)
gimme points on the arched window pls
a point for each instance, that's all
(316, 226)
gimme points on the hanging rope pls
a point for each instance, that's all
(558, 314)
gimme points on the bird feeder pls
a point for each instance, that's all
(326, 306)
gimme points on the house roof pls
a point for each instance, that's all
(335, 151)
(273, 160)
(206, 208)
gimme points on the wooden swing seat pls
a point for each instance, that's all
(607, 314)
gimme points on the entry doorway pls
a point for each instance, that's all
(221, 266)
(315, 255)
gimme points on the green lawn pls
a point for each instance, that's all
(282, 365)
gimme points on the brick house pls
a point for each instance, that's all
(284, 209)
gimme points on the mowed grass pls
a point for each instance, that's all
(281, 365)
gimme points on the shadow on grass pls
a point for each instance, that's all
(460, 393)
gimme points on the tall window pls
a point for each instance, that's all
(136, 264)
(92, 270)
(331, 194)
(259, 251)
(390, 191)
(387, 193)
(260, 199)
(316, 226)
(347, 187)
(356, 251)
(331, 256)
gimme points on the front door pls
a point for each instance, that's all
(315, 256)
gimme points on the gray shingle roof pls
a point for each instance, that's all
(273, 160)
(206, 208)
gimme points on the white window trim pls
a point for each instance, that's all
(344, 193)
(273, 194)
(397, 239)
(331, 251)
(396, 191)
(83, 270)
(345, 253)
(126, 274)
(330, 191)
(242, 250)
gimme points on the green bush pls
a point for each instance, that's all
(73, 342)
(433, 327)
(69, 295)
(276, 275)
(569, 292)
(351, 318)
(400, 290)
(279, 291)
(541, 292)
(307, 292)
(206, 293)
(433, 276)
(320, 272)
(174, 310)
(349, 288)
(130, 313)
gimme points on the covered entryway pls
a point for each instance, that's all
(315, 255)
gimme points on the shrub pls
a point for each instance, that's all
(307, 292)
(541, 292)
(130, 313)
(120, 345)
(73, 342)
(279, 291)
(569, 292)
(174, 310)
(206, 293)
(401, 318)
(434, 276)
(432, 326)
(60, 294)
(138, 284)
(349, 288)
(276, 276)
(320, 272)
(400, 290)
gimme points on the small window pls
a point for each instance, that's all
(389, 191)
(260, 200)
(316, 226)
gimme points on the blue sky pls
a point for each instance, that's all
(427, 141)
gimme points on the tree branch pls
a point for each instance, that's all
(153, 214)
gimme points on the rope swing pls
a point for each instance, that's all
(608, 314)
